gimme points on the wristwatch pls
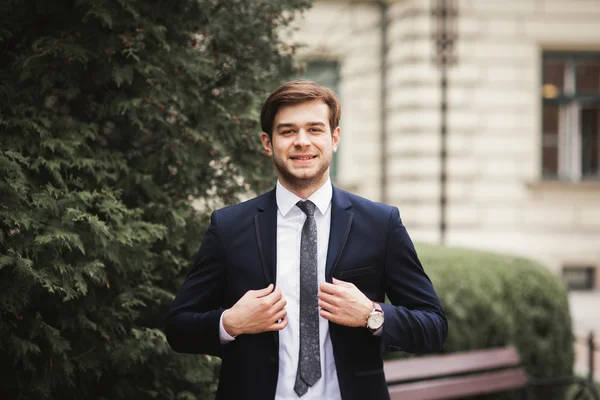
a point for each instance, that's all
(375, 319)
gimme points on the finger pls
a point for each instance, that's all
(326, 306)
(328, 298)
(340, 282)
(280, 305)
(280, 315)
(263, 292)
(283, 323)
(328, 288)
(274, 296)
(328, 316)
(277, 326)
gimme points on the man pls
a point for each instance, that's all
(288, 288)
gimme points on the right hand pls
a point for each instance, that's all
(257, 311)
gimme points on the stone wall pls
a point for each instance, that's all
(349, 32)
(496, 198)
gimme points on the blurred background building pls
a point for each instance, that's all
(523, 120)
(504, 155)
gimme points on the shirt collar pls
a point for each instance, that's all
(286, 200)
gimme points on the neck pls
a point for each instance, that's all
(303, 189)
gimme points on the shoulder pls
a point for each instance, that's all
(245, 209)
(365, 206)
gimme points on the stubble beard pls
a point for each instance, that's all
(300, 182)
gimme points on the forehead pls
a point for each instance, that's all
(310, 111)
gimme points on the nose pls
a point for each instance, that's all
(302, 138)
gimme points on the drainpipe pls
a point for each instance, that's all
(444, 121)
(445, 13)
(384, 9)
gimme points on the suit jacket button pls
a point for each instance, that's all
(273, 360)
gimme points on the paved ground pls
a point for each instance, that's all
(585, 312)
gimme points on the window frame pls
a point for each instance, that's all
(335, 66)
(570, 103)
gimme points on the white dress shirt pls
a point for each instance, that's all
(290, 220)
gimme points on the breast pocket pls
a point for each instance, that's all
(365, 278)
(348, 273)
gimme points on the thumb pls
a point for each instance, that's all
(339, 282)
(265, 291)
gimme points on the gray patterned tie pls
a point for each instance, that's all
(309, 362)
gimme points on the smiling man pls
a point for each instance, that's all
(288, 288)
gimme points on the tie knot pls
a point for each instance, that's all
(308, 207)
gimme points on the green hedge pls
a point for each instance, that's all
(493, 300)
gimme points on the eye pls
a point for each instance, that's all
(287, 132)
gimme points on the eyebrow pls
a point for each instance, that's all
(292, 125)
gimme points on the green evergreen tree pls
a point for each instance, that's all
(116, 117)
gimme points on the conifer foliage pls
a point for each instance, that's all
(116, 116)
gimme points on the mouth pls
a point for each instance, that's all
(303, 158)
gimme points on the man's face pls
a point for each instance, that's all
(302, 144)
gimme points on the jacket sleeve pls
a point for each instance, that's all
(192, 325)
(415, 321)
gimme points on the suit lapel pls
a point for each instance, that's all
(265, 223)
(341, 221)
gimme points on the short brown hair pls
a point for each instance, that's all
(296, 92)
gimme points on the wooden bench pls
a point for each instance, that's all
(471, 373)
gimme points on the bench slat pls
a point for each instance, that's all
(450, 364)
(457, 387)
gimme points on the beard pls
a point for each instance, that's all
(301, 182)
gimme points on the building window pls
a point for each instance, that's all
(571, 116)
(579, 277)
(326, 73)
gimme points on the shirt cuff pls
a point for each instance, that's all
(224, 337)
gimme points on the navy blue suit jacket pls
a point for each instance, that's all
(368, 246)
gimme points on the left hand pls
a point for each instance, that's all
(341, 302)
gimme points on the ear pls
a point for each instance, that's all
(335, 138)
(266, 142)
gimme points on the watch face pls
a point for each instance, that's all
(375, 321)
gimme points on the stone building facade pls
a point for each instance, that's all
(523, 120)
